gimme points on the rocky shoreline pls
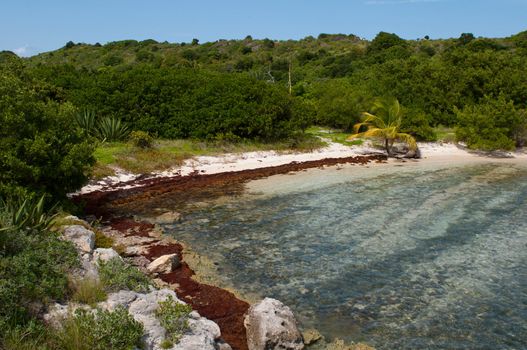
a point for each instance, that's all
(142, 243)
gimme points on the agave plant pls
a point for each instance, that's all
(112, 129)
(86, 121)
(385, 125)
(27, 214)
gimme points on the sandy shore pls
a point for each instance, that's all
(431, 152)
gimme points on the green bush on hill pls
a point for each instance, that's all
(42, 151)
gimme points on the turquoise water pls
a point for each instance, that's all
(420, 259)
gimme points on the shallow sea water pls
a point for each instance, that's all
(422, 258)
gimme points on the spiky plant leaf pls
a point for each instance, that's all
(112, 129)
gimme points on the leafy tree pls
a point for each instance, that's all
(492, 124)
(465, 38)
(384, 125)
(338, 104)
(385, 41)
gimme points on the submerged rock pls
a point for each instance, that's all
(272, 325)
(82, 238)
(311, 336)
(169, 217)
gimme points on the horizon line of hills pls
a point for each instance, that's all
(322, 37)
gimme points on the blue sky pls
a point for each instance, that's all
(31, 26)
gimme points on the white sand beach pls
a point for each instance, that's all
(431, 152)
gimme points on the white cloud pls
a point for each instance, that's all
(397, 2)
(22, 51)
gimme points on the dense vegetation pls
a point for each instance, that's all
(237, 89)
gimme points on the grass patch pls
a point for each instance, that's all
(23, 338)
(115, 275)
(169, 153)
(445, 134)
(334, 135)
(88, 291)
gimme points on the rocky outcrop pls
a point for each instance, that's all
(164, 264)
(202, 333)
(82, 238)
(272, 325)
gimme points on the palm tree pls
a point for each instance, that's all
(384, 124)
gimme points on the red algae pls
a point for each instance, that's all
(217, 304)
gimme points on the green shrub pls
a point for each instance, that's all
(492, 124)
(88, 291)
(102, 330)
(141, 139)
(115, 275)
(103, 241)
(33, 271)
(173, 316)
(42, 149)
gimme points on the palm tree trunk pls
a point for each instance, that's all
(387, 147)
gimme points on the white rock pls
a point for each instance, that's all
(164, 264)
(272, 325)
(104, 254)
(202, 336)
(121, 298)
(81, 237)
(57, 313)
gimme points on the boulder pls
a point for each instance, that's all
(413, 154)
(169, 217)
(164, 264)
(272, 325)
(104, 254)
(81, 237)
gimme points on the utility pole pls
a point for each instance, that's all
(289, 74)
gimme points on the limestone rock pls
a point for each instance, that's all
(164, 264)
(104, 254)
(202, 336)
(120, 298)
(56, 313)
(272, 325)
(169, 217)
(81, 237)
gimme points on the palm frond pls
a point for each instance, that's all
(408, 139)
